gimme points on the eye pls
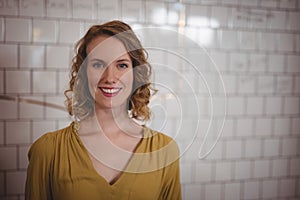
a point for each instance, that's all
(98, 65)
(122, 66)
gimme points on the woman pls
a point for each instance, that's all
(104, 153)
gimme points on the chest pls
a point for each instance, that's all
(110, 170)
(109, 159)
(83, 182)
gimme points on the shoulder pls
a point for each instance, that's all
(157, 138)
(160, 142)
(45, 145)
(156, 151)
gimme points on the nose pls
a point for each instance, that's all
(109, 75)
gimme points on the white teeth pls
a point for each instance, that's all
(110, 91)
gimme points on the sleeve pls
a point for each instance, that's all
(172, 190)
(38, 181)
(172, 185)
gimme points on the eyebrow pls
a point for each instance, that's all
(119, 60)
(123, 59)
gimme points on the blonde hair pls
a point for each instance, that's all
(80, 103)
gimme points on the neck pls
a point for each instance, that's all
(112, 122)
(112, 117)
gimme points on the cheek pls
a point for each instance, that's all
(128, 79)
(93, 77)
(92, 81)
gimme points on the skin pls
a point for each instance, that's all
(109, 66)
(111, 130)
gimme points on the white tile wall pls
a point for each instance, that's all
(251, 190)
(10, 8)
(2, 184)
(63, 82)
(255, 106)
(286, 42)
(288, 3)
(44, 30)
(253, 148)
(84, 10)
(31, 111)
(213, 191)
(2, 29)
(274, 105)
(293, 22)
(44, 82)
(263, 126)
(289, 146)
(267, 41)
(248, 40)
(228, 128)
(281, 126)
(1, 82)
(57, 56)
(271, 147)
(8, 55)
(186, 175)
(17, 81)
(269, 189)
(108, 10)
(193, 192)
(156, 13)
(15, 26)
(41, 127)
(52, 113)
(8, 158)
(269, 3)
(15, 182)
(70, 31)
(197, 15)
(276, 63)
(23, 156)
(58, 8)
(133, 11)
(246, 84)
(255, 44)
(232, 191)
(288, 108)
(1, 133)
(32, 56)
(287, 188)
(295, 126)
(293, 63)
(236, 105)
(219, 17)
(294, 166)
(280, 167)
(33, 8)
(278, 20)
(223, 171)
(238, 61)
(258, 63)
(266, 84)
(204, 172)
(9, 110)
(262, 168)
(18, 132)
(234, 149)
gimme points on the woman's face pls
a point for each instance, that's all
(109, 72)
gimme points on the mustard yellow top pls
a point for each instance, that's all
(60, 168)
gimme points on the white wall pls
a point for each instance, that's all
(255, 44)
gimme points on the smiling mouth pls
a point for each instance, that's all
(109, 92)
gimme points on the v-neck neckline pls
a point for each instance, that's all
(115, 181)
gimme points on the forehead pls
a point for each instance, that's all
(106, 48)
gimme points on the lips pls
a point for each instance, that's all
(110, 91)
